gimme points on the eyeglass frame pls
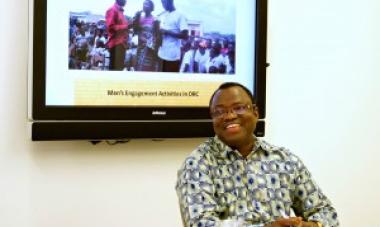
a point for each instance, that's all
(226, 111)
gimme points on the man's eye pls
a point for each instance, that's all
(219, 111)
(239, 108)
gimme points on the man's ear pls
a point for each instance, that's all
(256, 111)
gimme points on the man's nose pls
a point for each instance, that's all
(230, 115)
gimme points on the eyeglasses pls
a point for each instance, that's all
(221, 112)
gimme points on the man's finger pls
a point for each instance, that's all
(292, 221)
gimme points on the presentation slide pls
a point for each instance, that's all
(99, 53)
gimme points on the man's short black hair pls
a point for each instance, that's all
(232, 84)
(151, 3)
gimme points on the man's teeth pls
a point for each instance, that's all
(232, 125)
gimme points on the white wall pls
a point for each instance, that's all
(324, 97)
(323, 91)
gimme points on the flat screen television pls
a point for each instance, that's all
(76, 91)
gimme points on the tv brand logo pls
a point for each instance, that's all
(158, 113)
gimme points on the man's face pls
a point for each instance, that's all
(166, 4)
(121, 2)
(208, 44)
(202, 50)
(147, 6)
(234, 129)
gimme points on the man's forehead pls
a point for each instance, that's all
(231, 94)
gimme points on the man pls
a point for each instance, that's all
(187, 64)
(173, 28)
(201, 58)
(215, 63)
(117, 28)
(236, 178)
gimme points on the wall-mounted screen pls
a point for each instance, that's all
(140, 69)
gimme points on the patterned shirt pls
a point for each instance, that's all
(217, 183)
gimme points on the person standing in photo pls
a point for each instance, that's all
(117, 29)
(173, 28)
(145, 26)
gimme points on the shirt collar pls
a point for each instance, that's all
(117, 7)
(225, 151)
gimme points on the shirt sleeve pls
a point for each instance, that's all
(183, 23)
(227, 64)
(186, 60)
(111, 22)
(196, 191)
(309, 201)
(197, 56)
(208, 64)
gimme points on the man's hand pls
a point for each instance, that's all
(308, 224)
(163, 31)
(292, 222)
(287, 222)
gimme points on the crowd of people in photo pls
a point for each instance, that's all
(147, 43)
(87, 48)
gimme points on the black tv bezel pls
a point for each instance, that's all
(44, 114)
